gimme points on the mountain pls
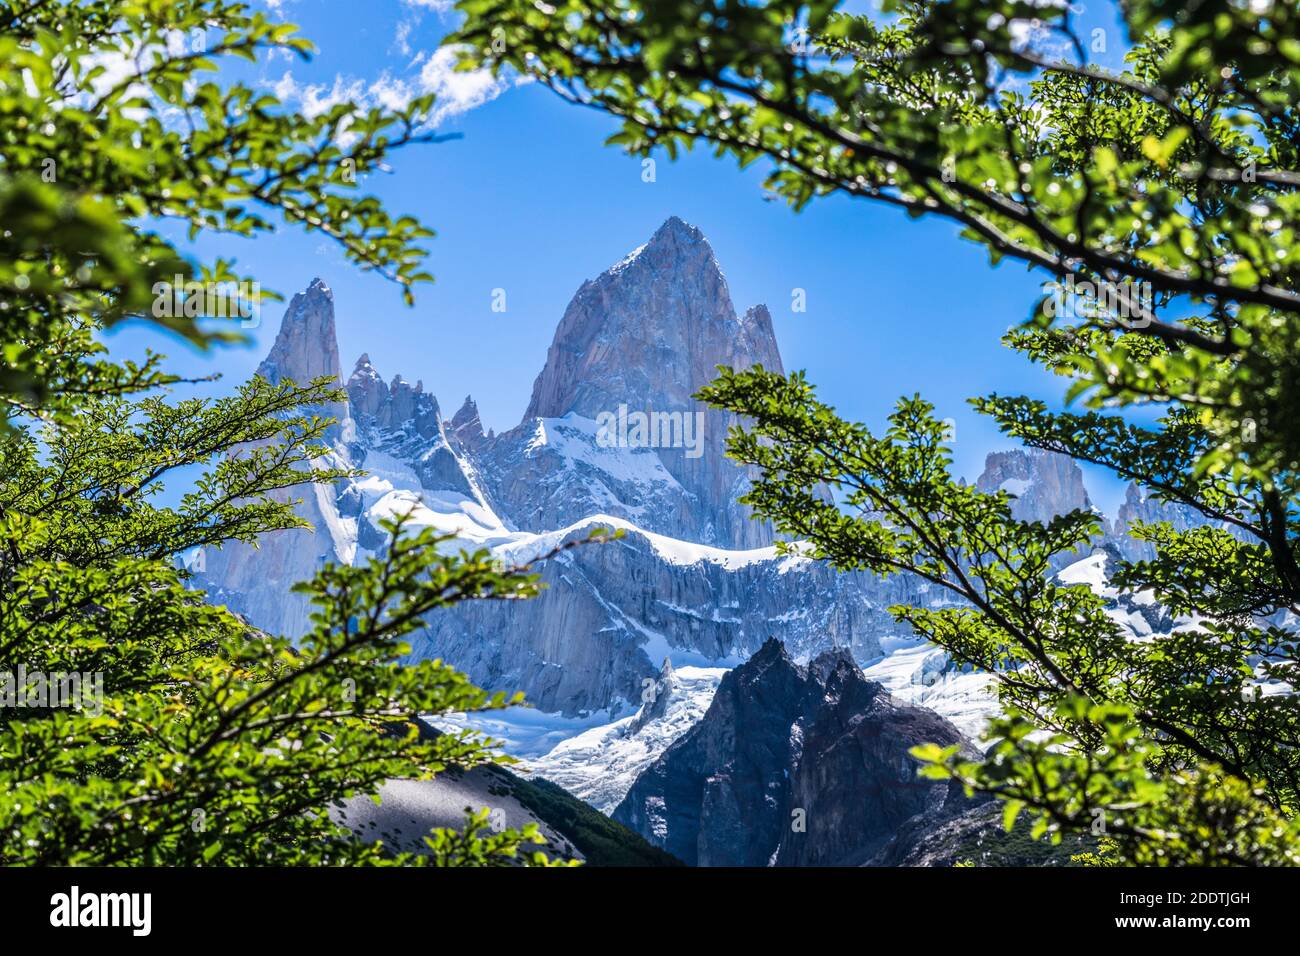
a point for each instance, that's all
(631, 350)
(626, 654)
(646, 335)
(306, 347)
(695, 579)
(792, 766)
(1045, 484)
(1141, 506)
(257, 582)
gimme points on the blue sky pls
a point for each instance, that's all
(529, 200)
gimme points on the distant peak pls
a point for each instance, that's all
(363, 370)
(679, 231)
(465, 423)
(676, 239)
(1043, 483)
(306, 346)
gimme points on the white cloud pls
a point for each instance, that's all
(390, 93)
(316, 98)
(402, 39)
(1037, 37)
(456, 91)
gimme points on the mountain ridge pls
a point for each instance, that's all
(687, 582)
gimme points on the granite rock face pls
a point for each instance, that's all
(1141, 506)
(1045, 484)
(792, 766)
(307, 346)
(611, 611)
(645, 336)
(466, 426)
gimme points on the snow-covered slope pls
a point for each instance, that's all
(923, 674)
(599, 757)
(601, 764)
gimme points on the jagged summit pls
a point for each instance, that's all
(675, 227)
(1141, 506)
(771, 651)
(675, 237)
(306, 346)
(364, 371)
(649, 331)
(679, 238)
(645, 336)
(466, 424)
(318, 286)
(1044, 483)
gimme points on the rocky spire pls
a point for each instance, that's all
(307, 346)
(649, 331)
(646, 335)
(258, 582)
(1142, 507)
(1045, 484)
(366, 389)
(391, 405)
(466, 425)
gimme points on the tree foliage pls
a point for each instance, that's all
(1168, 188)
(140, 724)
(205, 740)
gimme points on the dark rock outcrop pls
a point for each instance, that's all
(792, 766)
